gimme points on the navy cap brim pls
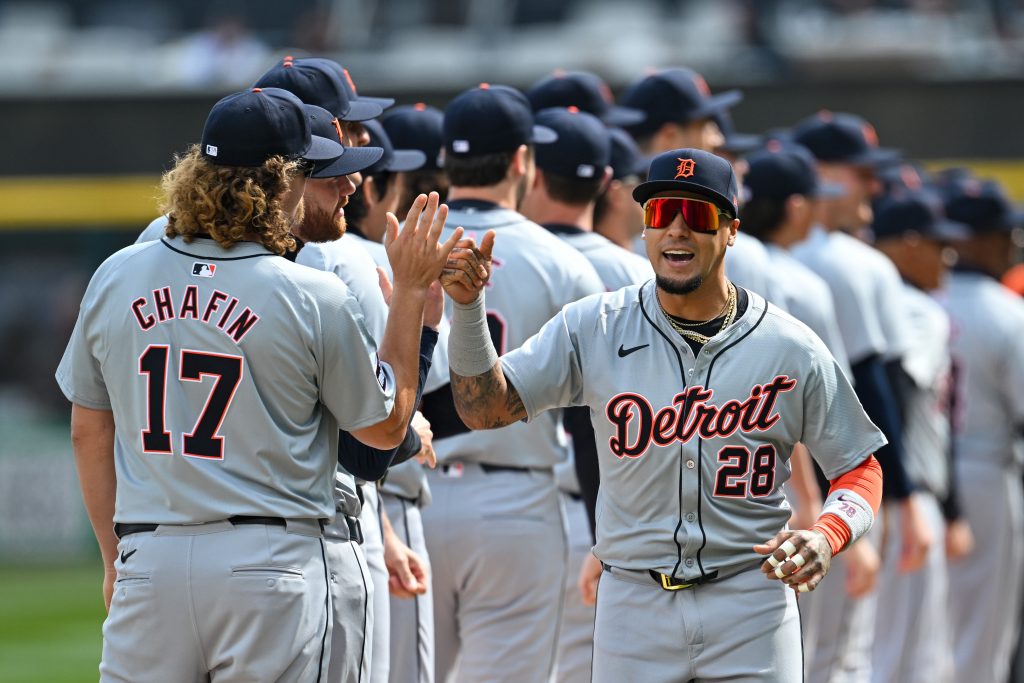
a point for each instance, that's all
(875, 157)
(946, 230)
(354, 159)
(717, 103)
(406, 160)
(623, 116)
(742, 143)
(362, 110)
(543, 135)
(644, 191)
(382, 102)
(322, 149)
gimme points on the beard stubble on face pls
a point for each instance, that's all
(321, 226)
(680, 287)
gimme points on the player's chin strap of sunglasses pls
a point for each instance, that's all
(699, 215)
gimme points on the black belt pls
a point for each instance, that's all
(122, 530)
(574, 496)
(355, 529)
(671, 583)
(489, 469)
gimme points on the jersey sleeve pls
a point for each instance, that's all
(80, 375)
(546, 369)
(1014, 365)
(858, 320)
(355, 385)
(836, 430)
(891, 316)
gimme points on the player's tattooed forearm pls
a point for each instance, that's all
(475, 400)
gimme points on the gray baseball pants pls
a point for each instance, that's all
(351, 597)
(576, 633)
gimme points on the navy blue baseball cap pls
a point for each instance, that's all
(393, 160)
(981, 205)
(247, 128)
(352, 160)
(675, 96)
(353, 94)
(585, 91)
(417, 126)
(321, 82)
(693, 171)
(490, 119)
(915, 212)
(780, 170)
(735, 143)
(583, 148)
(843, 139)
(627, 159)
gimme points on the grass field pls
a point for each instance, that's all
(50, 620)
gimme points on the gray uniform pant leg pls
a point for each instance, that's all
(351, 637)
(744, 628)
(373, 549)
(576, 633)
(412, 620)
(498, 547)
(912, 619)
(215, 602)
(985, 588)
(840, 628)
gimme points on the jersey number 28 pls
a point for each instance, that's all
(731, 480)
(203, 441)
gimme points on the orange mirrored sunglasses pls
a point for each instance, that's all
(699, 216)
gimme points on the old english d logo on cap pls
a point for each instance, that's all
(685, 168)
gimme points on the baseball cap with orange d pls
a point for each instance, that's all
(489, 119)
(705, 183)
(247, 128)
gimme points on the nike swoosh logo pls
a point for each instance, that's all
(625, 352)
(125, 556)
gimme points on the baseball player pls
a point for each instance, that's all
(206, 506)
(988, 358)
(571, 172)
(841, 621)
(910, 228)
(682, 530)
(585, 91)
(495, 529)
(616, 215)
(405, 491)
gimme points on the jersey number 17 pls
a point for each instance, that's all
(203, 441)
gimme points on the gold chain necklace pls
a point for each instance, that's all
(681, 328)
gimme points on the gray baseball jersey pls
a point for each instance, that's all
(988, 325)
(805, 296)
(533, 275)
(926, 426)
(693, 451)
(189, 339)
(615, 266)
(747, 265)
(862, 281)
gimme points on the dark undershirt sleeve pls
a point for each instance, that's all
(880, 403)
(951, 503)
(584, 445)
(439, 409)
(371, 464)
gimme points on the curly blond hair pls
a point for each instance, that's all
(229, 203)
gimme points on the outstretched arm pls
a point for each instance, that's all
(483, 396)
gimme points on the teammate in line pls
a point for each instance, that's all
(684, 555)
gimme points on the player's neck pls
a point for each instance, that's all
(704, 303)
(550, 213)
(503, 194)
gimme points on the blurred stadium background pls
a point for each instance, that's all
(97, 95)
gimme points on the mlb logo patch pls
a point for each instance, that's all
(382, 376)
(204, 269)
(211, 150)
(460, 146)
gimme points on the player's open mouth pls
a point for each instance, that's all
(678, 255)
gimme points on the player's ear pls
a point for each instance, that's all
(520, 162)
(369, 189)
(606, 179)
(733, 227)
